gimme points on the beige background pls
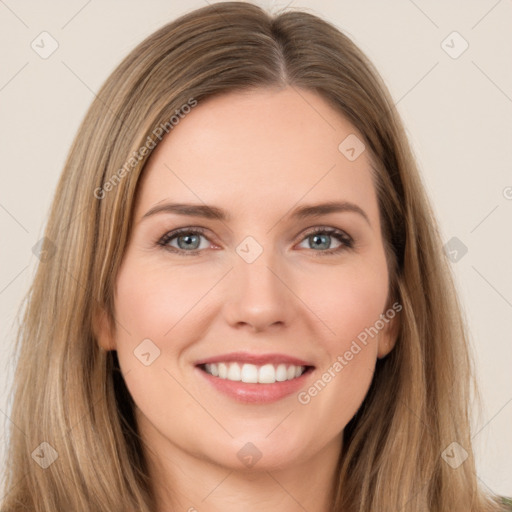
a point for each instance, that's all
(457, 111)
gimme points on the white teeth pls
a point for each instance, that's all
(223, 371)
(267, 374)
(212, 369)
(234, 372)
(250, 373)
(281, 373)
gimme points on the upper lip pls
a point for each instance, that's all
(256, 359)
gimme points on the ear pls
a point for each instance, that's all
(388, 336)
(103, 329)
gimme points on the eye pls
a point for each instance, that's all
(187, 241)
(321, 238)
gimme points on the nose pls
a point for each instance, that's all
(259, 296)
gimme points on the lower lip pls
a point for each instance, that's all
(256, 393)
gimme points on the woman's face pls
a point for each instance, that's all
(248, 339)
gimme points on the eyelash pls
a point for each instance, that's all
(346, 241)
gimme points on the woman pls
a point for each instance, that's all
(243, 291)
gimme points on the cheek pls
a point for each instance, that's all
(150, 302)
(352, 301)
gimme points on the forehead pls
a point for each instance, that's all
(265, 147)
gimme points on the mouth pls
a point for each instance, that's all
(254, 374)
(254, 378)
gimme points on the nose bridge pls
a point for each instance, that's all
(258, 295)
(255, 269)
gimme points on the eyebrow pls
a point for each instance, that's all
(215, 213)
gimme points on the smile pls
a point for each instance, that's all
(255, 378)
(254, 374)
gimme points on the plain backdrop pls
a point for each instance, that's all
(453, 91)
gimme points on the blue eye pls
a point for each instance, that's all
(321, 238)
(189, 241)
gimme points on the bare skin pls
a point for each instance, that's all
(258, 155)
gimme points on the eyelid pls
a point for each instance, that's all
(342, 236)
(173, 233)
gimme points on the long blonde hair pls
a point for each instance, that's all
(69, 393)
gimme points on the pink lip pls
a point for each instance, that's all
(257, 359)
(256, 393)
